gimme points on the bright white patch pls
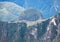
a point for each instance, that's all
(48, 28)
(34, 32)
(53, 21)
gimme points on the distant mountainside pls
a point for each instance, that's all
(10, 11)
(30, 26)
(31, 15)
(45, 31)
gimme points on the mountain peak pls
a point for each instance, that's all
(10, 11)
(31, 15)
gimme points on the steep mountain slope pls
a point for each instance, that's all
(47, 31)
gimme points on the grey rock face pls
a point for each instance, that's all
(46, 31)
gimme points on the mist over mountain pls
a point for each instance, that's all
(31, 15)
(30, 25)
(10, 11)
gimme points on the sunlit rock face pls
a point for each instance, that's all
(31, 15)
(47, 30)
(9, 11)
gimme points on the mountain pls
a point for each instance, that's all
(31, 15)
(10, 11)
(45, 31)
(27, 25)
